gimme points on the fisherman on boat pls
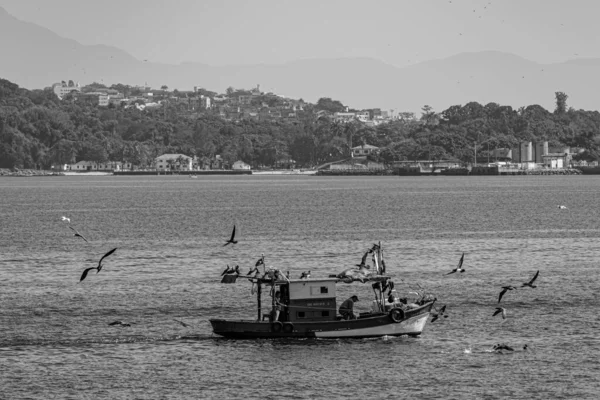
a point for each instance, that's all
(347, 308)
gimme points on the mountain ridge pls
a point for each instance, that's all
(36, 57)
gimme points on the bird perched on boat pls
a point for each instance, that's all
(77, 234)
(500, 310)
(305, 275)
(562, 208)
(530, 283)
(119, 323)
(438, 314)
(260, 262)
(232, 238)
(230, 278)
(252, 270)
(504, 290)
(364, 260)
(227, 270)
(459, 267)
(99, 267)
(65, 219)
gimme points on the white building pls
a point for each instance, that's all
(170, 162)
(364, 150)
(240, 165)
(62, 89)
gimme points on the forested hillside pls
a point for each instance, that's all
(37, 130)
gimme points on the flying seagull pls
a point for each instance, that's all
(530, 283)
(504, 290)
(438, 314)
(459, 268)
(500, 310)
(78, 234)
(99, 267)
(232, 239)
(65, 219)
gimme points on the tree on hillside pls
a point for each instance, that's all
(561, 103)
(164, 87)
(327, 104)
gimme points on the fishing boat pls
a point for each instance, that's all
(307, 308)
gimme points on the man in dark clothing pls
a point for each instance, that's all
(347, 308)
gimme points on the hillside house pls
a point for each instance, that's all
(240, 165)
(364, 150)
(171, 162)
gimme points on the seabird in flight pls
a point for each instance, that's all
(78, 234)
(459, 267)
(500, 310)
(530, 283)
(65, 219)
(504, 290)
(232, 239)
(99, 267)
(440, 313)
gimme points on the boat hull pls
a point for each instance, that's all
(412, 324)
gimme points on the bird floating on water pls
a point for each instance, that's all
(562, 207)
(232, 238)
(119, 323)
(530, 283)
(504, 290)
(500, 310)
(503, 346)
(65, 219)
(99, 267)
(459, 267)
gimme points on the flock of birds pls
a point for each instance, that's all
(499, 310)
(230, 274)
(76, 233)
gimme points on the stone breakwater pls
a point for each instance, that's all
(28, 172)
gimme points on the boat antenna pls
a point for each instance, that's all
(262, 255)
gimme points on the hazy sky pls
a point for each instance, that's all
(398, 32)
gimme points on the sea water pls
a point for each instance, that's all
(164, 281)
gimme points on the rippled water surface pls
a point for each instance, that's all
(55, 341)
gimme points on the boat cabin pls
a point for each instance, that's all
(306, 299)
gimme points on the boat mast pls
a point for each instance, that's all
(380, 262)
(258, 293)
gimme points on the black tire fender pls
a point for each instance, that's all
(397, 314)
(276, 326)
